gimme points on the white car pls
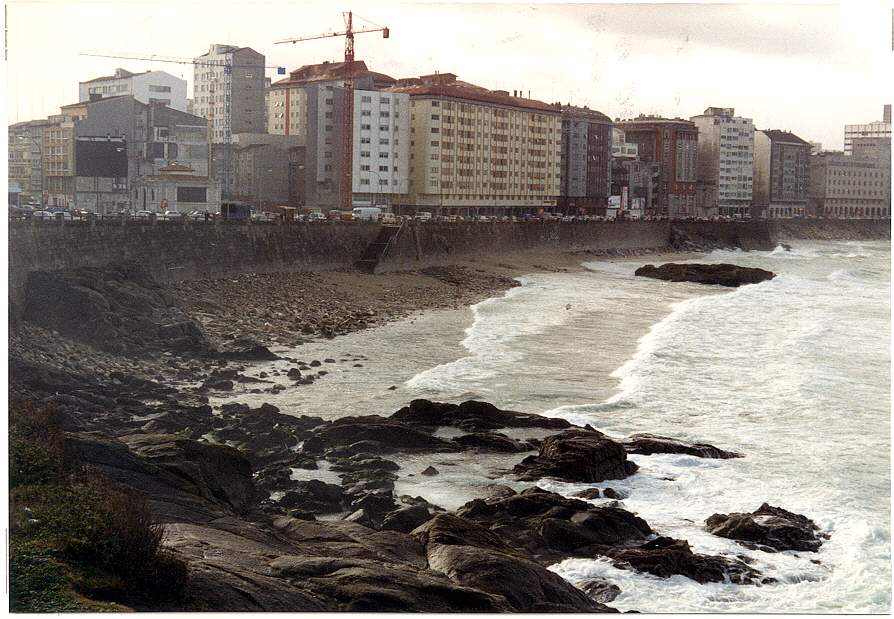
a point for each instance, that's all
(423, 216)
(172, 215)
(143, 214)
(316, 216)
(41, 215)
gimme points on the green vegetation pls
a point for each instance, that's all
(78, 541)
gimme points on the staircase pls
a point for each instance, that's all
(377, 250)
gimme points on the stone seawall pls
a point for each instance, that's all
(174, 251)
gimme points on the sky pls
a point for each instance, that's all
(806, 68)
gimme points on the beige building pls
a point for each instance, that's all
(478, 150)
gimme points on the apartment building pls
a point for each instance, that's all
(875, 129)
(849, 187)
(58, 155)
(268, 169)
(480, 151)
(146, 87)
(585, 173)
(781, 174)
(228, 90)
(725, 167)
(287, 98)
(673, 145)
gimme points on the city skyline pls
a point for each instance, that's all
(614, 58)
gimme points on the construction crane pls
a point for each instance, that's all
(227, 87)
(348, 116)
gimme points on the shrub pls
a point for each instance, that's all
(36, 445)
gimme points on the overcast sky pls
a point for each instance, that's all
(805, 68)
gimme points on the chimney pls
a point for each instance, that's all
(886, 113)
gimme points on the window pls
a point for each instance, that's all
(385, 114)
(366, 99)
(383, 168)
(364, 168)
(364, 181)
(383, 141)
(385, 100)
(365, 127)
(435, 117)
(154, 88)
(364, 153)
(383, 155)
(365, 113)
(191, 194)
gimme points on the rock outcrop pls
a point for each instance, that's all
(472, 416)
(578, 455)
(647, 444)
(729, 275)
(768, 528)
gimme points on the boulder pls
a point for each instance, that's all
(314, 497)
(549, 526)
(474, 557)
(392, 435)
(472, 416)
(492, 442)
(406, 519)
(729, 275)
(577, 455)
(647, 444)
(768, 528)
(666, 557)
(600, 590)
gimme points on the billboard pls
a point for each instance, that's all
(103, 157)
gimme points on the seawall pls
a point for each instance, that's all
(175, 251)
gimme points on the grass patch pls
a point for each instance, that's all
(78, 540)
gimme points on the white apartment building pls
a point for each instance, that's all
(147, 87)
(381, 165)
(725, 167)
(380, 158)
(876, 129)
(228, 90)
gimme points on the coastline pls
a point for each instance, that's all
(160, 405)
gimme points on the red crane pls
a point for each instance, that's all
(348, 116)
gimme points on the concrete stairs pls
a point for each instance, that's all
(377, 250)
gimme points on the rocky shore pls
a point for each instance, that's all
(130, 371)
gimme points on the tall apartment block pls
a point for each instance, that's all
(228, 90)
(479, 150)
(147, 87)
(585, 173)
(780, 174)
(673, 145)
(875, 129)
(725, 162)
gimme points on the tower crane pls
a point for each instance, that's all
(227, 87)
(348, 116)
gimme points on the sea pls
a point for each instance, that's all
(794, 373)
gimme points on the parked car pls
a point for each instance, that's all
(388, 218)
(172, 215)
(423, 216)
(315, 216)
(264, 216)
(142, 214)
(366, 213)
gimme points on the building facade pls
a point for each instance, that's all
(673, 145)
(228, 90)
(849, 187)
(875, 129)
(175, 188)
(780, 174)
(265, 174)
(725, 167)
(147, 87)
(474, 150)
(586, 161)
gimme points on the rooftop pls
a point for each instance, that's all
(119, 74)
(332, 71)
(777, 135)
(446, 85)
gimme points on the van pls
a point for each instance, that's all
(423, 216)
(366, 213)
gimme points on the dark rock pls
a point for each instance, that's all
(392, 435)
(315, 364)
(666, 557)
(601, 590)
(550, 526)
(589, 493)
(577, 455)
(611, 493)
(218, 385)
(473, 416)
(294, 373)
(314, 497)
(245, 349)
(722, 274)
(647, 444)
(768, 528)
(406, 519)
(491, 441)
(430, 471)
(477, 558)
